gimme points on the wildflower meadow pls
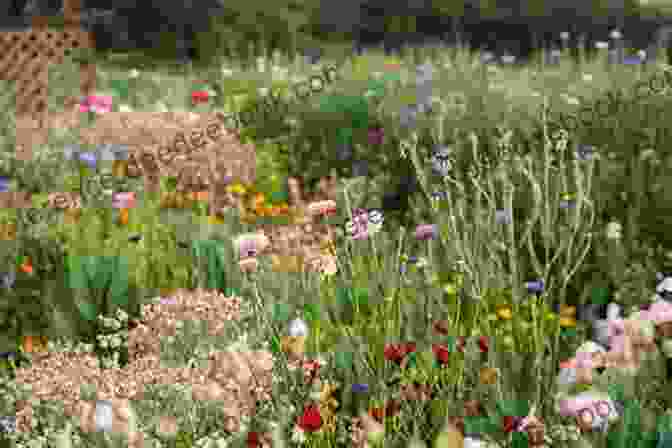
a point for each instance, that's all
(497, 272)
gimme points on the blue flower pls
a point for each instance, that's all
(4, 184)
(360, 388)
(535, 286)
(632, 60)
(89, 159)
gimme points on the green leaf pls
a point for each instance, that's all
(600, 296)
(88, 311)
(281, 312)
(344, 360)
(311, 311)
(120, 87)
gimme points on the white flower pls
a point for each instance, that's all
(125, 108)
(615, 34)
(614, 229)
(508, 59)
(263, 91)
(587, 77)
(134, 73)
(297, 328)
(601, 45)
(564, 35)
(226, 72)
(641, 54)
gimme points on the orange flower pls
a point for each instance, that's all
(123, 216)
(32, 344)
(27, 266)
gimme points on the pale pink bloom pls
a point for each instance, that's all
(659, 312)
(99, 104)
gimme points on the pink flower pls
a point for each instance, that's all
(99, 104)
(123, 200)
(659, 312)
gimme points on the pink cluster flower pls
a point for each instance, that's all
(98, 104)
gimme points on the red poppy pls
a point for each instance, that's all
(253, 439)
(199, 96)
(510, 423)
(483, 343)
(441, 352)
(311, 420)
(394, 352)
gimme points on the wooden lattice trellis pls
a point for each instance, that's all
(25, 57)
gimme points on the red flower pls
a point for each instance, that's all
(441, 352)
(311, 420)
(510, 423)
(253, 440)
(199, 96)
(483, 343)
(397, 352)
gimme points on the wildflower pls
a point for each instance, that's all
(26, 266)
(426, 232)
(199, 96)
(360, 388)
(134, 73)
(376, 135)
(123, 200)
(567, 316)
(613, 230)
(397, 352)
(298, 328)
(125, 108)
(253, 439)
(564, 36)
(236, 188)
(632, 60)
(98, 104)
(89, 159)
(503, 216)
(439, 195)
(483, 343)
(641, 54)
(310, 420)
(227, 72)
(508, 59)
(441, 352)
(601, 45)
(440, 160)
(4, 184)
(504, 313)
(535, 287)
(250, 244)
(488, 375)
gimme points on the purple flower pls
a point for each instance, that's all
(89, 159)
(4, 184)
(426, 232)
(376, 135)
(567, 204)
(535, 286)
(503, 216)
(360, 388)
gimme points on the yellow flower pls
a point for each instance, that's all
(505, 313)
(488, 375)
(236, 188)
(567, 322)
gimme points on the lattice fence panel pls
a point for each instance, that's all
(25, 57)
